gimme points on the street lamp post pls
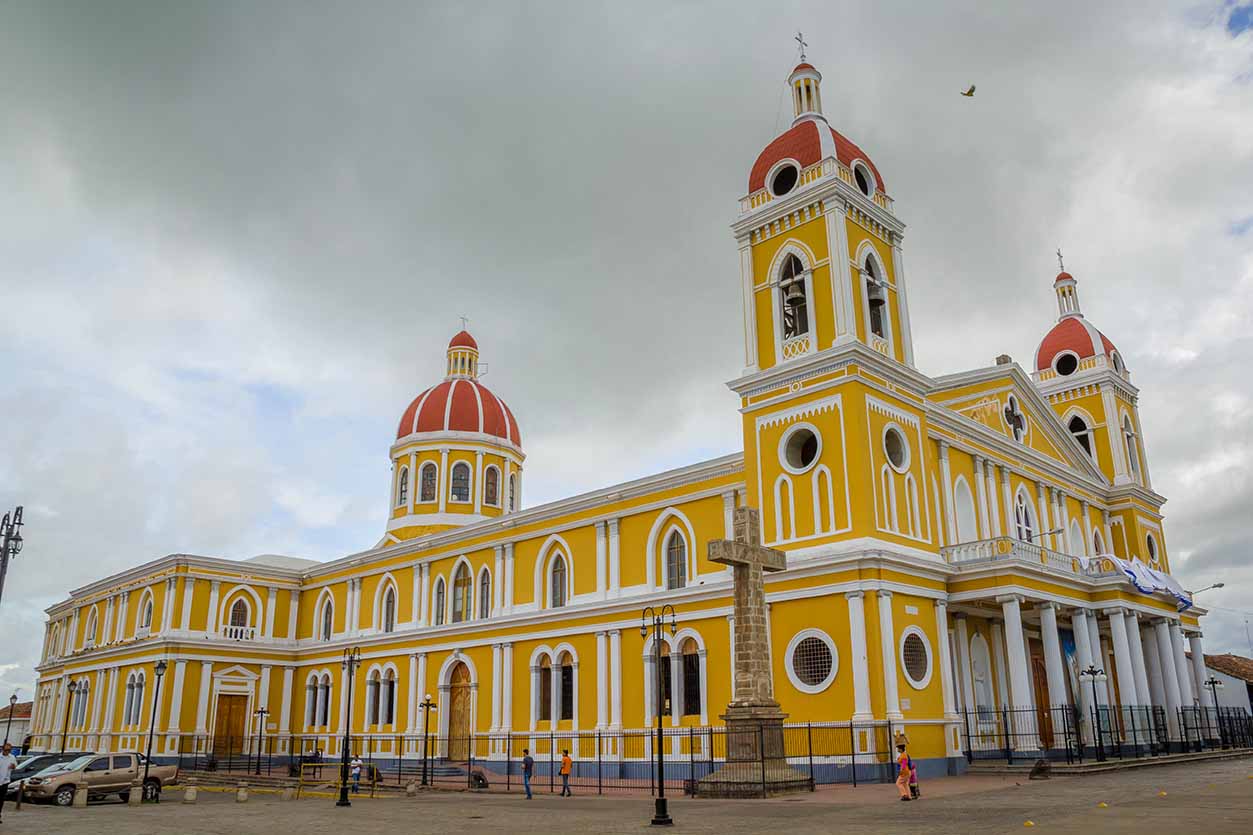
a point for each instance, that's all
(1207, 588)
(661, 815)
(427, 706)
(352, 658)
(1215, 684)
(261, 713)
(10, 542)
(72, 687)
(1094, 675)
(9, 726)
(159, 669)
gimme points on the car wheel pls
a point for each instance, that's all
(64, 796)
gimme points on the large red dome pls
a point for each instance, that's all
(1074, 334)
(460, 405)
(808, 142)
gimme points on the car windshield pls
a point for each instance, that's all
(71, 765)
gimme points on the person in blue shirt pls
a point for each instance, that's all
(528, 768)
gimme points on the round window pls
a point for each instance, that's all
(784, 180)
(1066, 364)
(811, 661)
(800, 449)
(862, 176)
(897, 448)
(916, 659)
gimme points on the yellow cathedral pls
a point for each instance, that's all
(960, 549)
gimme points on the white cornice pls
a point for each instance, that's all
(827, 361)
(826, 188)
(443, 438)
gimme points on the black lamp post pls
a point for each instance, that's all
(1092, 673)
(159, 669)
(12, 707)
(427, 706)
(661, 816)
(261, 713)
(1215, 684)
(352, 659)
(10, 542)
(69, 708)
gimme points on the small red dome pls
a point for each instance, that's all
(460, 405)
(808, 142)
(463, 340)
(803, 66)
(1063, 276)
(1075, 334)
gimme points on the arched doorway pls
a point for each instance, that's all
(459, 713)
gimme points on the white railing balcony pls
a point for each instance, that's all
(1007, 549)
(239, 633)
(881, 345)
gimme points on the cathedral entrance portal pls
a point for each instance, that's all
(459, 713)
(228, 730)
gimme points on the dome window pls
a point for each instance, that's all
(784, 179)
(1066, 364)
(800, 448)
(864, 179)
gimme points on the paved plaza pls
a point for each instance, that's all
(1216, 795)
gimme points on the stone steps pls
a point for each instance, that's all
(1093, 767)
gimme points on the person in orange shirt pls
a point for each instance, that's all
(566, 765)
(904, 770)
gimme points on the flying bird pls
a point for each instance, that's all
(970, 93)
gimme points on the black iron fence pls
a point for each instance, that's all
(1106, 731)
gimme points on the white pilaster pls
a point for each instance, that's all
(202, 703)
(998, 661)
(189, 593)
(981, 496)
(1048, 541)
(478, 481)
(902, 296)
(615, 662)
(211, 626)
(1009, 502)
(443, 480)
(749, 304)
(271, 609)
(506, 679)
(887, 632)
(863, 711)
(284, 710)
(1052, 654)
(1198, 669)
(509, 572)
(1153, 663)
(1098, 658)
(1186, 697)
(965, 686)
(1122, 658)
(602, 555)
(413, 482)
(615, 560)
(841, 272)
(1170, 678)
(496, 685)
(602, 680)
(946, 478)
(176, 696)
(1143, 693)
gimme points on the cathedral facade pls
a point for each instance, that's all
(955, 545)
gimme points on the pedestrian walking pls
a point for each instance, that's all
(566, 765)
(902, 772)
(8, 762)
(355, 769)
(528, 768)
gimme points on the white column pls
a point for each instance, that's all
(1061, 540)
(498, 576)
(509, 572)
(602, 555)
(106, 728)
(994, 506)
(1186, 696)
(415, 609)
(964, 674)
(176, 696)
(211, 625)
(1045, 525)
(615, 668)
(443, 480)
(424, 604)
(412, 696)
(1143, 693)
(167, 606)
(413, 481)
(863, 711)
(602, 680)
(506, 678)
(1009, 502)
(284, 710)
(946, 479)
(946, 664)
(981, 496)
(554, 693)
(1098, 658)
(615, 573)
(1087, 530)
(496, 684)
(293, 613)
(1109, 532)
(841, 272)
(1052, 654)
(749, 306)
(676, 688)
(1113, 426)
(898, 268)
(189, 593)
(1019, 674)
(998, 659)
(478, 481)
(887, 632)
(1122, 658)
(1170, 679)
(271, 609)
(1198, 669)
(263, 692)
(105, 635)
(202, 703)
(1157, 685)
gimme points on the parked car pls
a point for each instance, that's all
(104, 774)
(31, 765)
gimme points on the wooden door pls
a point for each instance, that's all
(1044, 716)
(459, 714)
(228, 730)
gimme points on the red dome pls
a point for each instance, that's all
(1063, 276)
(807, 143)
(463, 340)
(460, 405)
(803, 66)
(1072, 334)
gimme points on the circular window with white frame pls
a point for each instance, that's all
(864, 178)
(1066, 363)
(799, 448)
(811, 661)
(784, 178)
(896, 448)
(916, 657)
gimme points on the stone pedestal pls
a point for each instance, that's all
(756, 763)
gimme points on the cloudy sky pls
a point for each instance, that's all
(235, 239)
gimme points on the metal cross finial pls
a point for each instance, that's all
(465, 321)
(800, 42)
(1060, 265)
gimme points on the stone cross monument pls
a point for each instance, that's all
(756, 755)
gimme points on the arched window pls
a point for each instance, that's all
(1079, 428)
(89, 631)
(513, 492)
(676, 561)
(485, 595)
(964, 505)
(439, 602)
(876, 299)
(145, 616)
(566, 703)
(491, 487)
(557, 594)
(389, 698)
(327, 620)
(389, 609)
(691, 678)
(402, 491)
(130, 700)
(311, 702)
(666, 703)
(1098, 543)
(1024, 518)
(239, 613)
(1133, 447)
(372, 699)
(324, 701)
(1150, 547)
(793, 298)
(545, 689)
(430, 477)
(462, 597)
(460, 482)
